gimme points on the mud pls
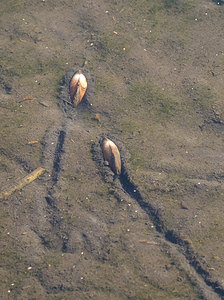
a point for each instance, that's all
(167, 236)
(155, 87)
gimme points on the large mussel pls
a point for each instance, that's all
(111, 155)
(78, 87)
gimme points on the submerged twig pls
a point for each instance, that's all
(26, 99)
(26, 180)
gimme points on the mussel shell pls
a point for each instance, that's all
(77, 88)
(111, 155)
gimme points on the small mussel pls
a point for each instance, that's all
(78, 87)
(111, 155)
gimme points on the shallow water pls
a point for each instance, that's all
(156, 87)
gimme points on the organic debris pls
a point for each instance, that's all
(26, 180)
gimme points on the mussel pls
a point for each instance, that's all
(78, 87)
(111, 155)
